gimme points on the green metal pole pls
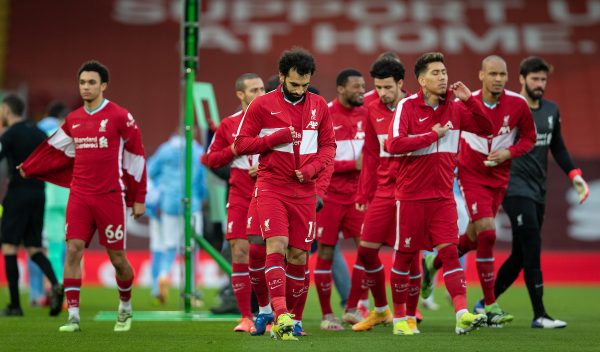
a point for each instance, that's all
(190, 60)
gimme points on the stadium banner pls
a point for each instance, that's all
(98, 271)
(139, 41)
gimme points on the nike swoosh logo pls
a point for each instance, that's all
(335, 128)
(274, 287)
(308, 240)
(423, 119)
(75, 126)
(379, 119)
(275, 112)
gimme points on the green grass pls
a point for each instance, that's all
(577, 305)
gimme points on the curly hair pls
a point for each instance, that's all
(298, 59)
(386, 67)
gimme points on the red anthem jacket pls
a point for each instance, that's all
(94, 153)
(379, 167)
(370, 97)
(426, 171)
(349, 130)
(219, 154)
(264, 130)
(511, 118)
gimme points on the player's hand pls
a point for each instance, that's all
(253, 171)
(21, 170)
(581, 187)
(138, 210)
(498, 157)
(441, 131)
(233, 149)
(460, 91)
(320, 203)
(299, 175)
(359, 162)
(360, 206)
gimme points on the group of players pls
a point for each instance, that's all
(379, 167)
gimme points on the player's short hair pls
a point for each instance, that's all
(384, 68)
(15, 104)
(534, 64)
(388, 55)
(424, 61)
(298, 59)
(94, 66)
(342, 77)
(57, 109)
(240, 83)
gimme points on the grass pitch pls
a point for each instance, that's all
(577, 305)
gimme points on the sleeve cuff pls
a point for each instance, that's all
(575, 172)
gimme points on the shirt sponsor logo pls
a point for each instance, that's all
(103, 124)
(89, 142)
(313, 125)
(505, 126)
(103, 142)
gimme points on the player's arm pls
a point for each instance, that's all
(527, 134)
(367, 181)
(5, 141)
(219, 152)
(247, 140)
(325, 151)
(563, 159)
(473, 117)
(526, 142)
(399, 142)
(134, 163)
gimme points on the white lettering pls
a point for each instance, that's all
(218, 37)
(417, 38)
(505, 37)
(326, 39)
(547, 38)
(560, 11)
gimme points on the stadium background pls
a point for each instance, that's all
(42, 43)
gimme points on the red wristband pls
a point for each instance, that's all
(574, 172)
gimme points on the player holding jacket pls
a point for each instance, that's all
(292, 131)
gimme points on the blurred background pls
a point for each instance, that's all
(43, 43)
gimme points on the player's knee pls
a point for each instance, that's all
(485, 224)
(325, 252)
(239, 252)
(486, 238)
(296, 256)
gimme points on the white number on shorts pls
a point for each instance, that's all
(114, 236)
(312, 231)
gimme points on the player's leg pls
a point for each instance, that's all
(274, 225)
(379, 228)
(298, 309)
(256, 268)
(328, 226)
(157, 253)
(351, 226)
(79, 229)
(441, 220)
(240, 277)
(341, 275)
(110, 216)
(414, 287)
(512, 266)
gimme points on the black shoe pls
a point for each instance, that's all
(11, 312)
(227, 307)
(57, 296)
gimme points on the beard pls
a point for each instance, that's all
(355, 102)
(535, 94)
(289, 95)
